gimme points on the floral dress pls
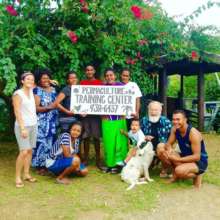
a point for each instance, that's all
(47, 123)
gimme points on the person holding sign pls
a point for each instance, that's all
(66, 117)
(47, 116)
(91, 123)
(125, 78)
(115, 143)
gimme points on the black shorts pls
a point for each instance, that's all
(91, 126)
(202, 166)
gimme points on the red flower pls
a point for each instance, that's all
(139, 56)
(142, 42)
(85, 9)
(146, 15)
(128, 60)
(11, 10)
(131, 61)
(72, 36)
(136, 11)
(194, 55)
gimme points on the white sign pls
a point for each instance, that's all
(102, 100)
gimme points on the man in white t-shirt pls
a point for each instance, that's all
(125, 78)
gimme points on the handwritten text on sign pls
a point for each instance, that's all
(102, 100)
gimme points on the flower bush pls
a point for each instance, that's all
(68, 35)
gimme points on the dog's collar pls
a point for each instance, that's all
(141, 146)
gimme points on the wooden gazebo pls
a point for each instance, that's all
(206, 63)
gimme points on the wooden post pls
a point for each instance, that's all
(201, 93)
(181, 91)
(163, 90)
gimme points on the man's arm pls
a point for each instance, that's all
(171, 140)
(138, 107)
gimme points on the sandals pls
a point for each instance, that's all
(30, 179)
(164, 174)
(19, 184)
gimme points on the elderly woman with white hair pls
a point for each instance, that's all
(157, 129)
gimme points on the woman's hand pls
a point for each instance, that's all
(70, 113)
(135, 115)
(24, 133)
(54, 82)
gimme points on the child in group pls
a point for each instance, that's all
(136, 136)
(63, 158)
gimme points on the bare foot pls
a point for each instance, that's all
(64, 181)
(197, 181)
(42, 171)
(171, 180)
(163, 174)
(19, 183)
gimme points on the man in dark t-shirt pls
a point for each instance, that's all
(91, 123)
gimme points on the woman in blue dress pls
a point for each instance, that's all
(47, 113)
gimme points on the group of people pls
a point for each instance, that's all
(39, 111)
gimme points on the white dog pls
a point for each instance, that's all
(138, 166)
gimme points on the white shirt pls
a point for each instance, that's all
(137, 92)
(138, 136)
(27, 108)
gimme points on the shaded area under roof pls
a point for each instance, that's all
(208, 63)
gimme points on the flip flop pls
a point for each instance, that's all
(19, 184)
(30, 179)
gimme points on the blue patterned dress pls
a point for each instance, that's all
(47, 122)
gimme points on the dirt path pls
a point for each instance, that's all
(187, 204)
(192, 204)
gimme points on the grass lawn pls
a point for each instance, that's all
(97, 196)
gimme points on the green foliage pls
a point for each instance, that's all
(173, 86)
(108, 35)
(212, 89)
(4, 114)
